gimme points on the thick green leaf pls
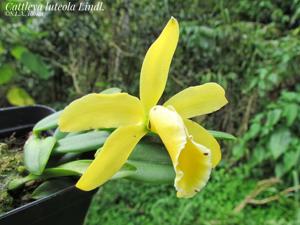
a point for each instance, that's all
(111, 91)
(18, 96)
(150, 152)
(37, 152)
(222, 135)
(59, 135)
(6, 73)
(49, 122)
(126, 170)
(68, 157)
(151, 172)
(19, 182)
(147, 164)
(50, 187)
(81, 142)
(75, 168)
(152, 164)
(75, 133)
(35, 64)
(279, 142)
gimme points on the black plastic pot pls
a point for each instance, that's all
(20, 120)
(67, 206)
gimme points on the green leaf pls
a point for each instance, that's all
(50, 187)
(279, 170)
(19, 182)
(111, 91)
(35, 64)
(273, 117)
(150, 152)
(258, 155)
(6, 73)
(49, 122)
(291, 113)
(18, 96)
(126, 170)
(68, 157)
(152, 164)
(239, 149)
(149, 163)
(81, 142)
(18, 51)
(279, 142)
(75, 168)
(151, 172)
(253, 131)
(75, 133)
(290, 96)
(222, 135)
(37, 152)
(290, 160)
(2, 49)
(59, 135)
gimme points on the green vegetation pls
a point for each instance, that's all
(10, 168)
(127, 202)
(250, 47)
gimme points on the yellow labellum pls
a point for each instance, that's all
(195, 164)
(191, 161)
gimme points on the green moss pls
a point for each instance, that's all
(11, 160)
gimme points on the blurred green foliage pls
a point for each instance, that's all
(133, 203)
(250, 47)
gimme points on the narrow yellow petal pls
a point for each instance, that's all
(156, 65)
(203, 137)
(101, 111)
(191, 161)
(112, 157)
(198, 100)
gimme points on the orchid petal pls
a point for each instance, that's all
(101, 111)
(198, 100)
(156, 65)
(112, 156)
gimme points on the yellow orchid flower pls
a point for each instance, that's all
(192, 149)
